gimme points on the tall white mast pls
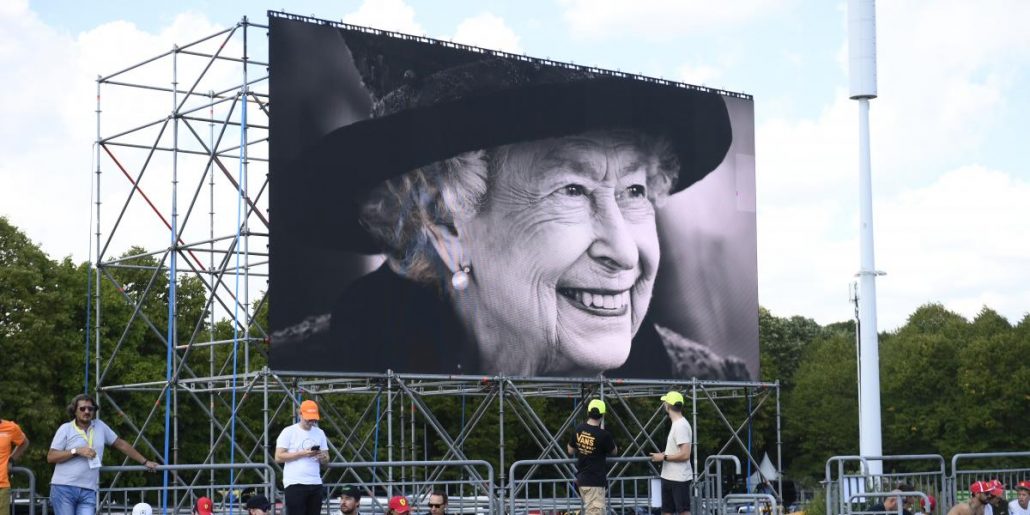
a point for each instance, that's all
(862, 55)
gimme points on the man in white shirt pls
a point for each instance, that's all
(677, 473)
(1021, 504)
(302, 447)
(77, 450)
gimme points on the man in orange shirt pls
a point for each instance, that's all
(10, 436)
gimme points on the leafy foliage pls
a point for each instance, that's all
(948, 384)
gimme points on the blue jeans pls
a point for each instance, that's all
(72, 500)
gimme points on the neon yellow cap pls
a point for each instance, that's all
(597, 404)
(673, 397)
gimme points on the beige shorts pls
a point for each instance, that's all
(593, 499)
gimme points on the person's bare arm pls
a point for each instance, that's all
(130, 451)
(683, 454)
(283, 456)
(55, 456)
(20, 450)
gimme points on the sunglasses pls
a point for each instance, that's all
(435, 505)
(87, 408)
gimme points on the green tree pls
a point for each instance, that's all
(821, 413)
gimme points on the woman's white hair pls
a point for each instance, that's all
(404, 213)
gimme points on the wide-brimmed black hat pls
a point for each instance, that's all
(483, 104)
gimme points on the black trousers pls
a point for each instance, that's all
(304, 499)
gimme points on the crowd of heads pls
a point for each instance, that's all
(349, 498)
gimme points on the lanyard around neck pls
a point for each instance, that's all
(88, 439)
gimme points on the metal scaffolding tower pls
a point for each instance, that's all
(186, 131)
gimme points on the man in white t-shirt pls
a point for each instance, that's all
(677, 472)
(302, 447)
(1021, 504)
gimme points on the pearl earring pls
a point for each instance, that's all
(460, 279)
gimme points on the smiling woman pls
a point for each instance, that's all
(516, 205)
(567, 224)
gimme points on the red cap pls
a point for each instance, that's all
(997, 488)
(933, 503)
(1023, 485)
(979, 487)
(204, 506)
(399, 504)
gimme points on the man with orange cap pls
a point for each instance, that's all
(302, 447)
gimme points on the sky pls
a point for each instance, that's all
(949, 130)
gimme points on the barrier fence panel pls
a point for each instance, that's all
(549, 486)
(865, 497)
(469, 484)
(846, 486)
(1007, 467)
(187, 484)
(18, 493)
(929, 476)
(708, 486)
(836, 488)
(755, 503)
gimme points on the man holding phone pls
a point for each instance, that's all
(302, 447)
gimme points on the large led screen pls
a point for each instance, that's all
(441, 209)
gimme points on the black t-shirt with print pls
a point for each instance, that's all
(592, 445)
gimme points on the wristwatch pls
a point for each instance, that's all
(75, 451)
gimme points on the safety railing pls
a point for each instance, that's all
(756, 503)
(19, 493)
(188, 483)
(1008, 467)
(708, 486)
(933, 480)
(549, 486)
(900, 502)
(469, 484)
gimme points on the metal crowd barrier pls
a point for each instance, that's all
(949, 489)
(758, 503)
(1008, 475)
(208, 480)
(469, 484)
(548, 486)
(850, 486)
(863, 497)
(708, 486)
(20, 493)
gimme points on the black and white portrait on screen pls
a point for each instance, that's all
(443, 210)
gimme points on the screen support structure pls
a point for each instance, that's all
(179, 344)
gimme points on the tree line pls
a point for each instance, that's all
(948, 384)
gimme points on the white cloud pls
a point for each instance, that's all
(946, 70)
(50, 126)
(658, 19)
(392, 15)
(963, 240)
(806, 191)
(947, 229)
(487, 30)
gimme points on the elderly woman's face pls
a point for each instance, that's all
(564, 254)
